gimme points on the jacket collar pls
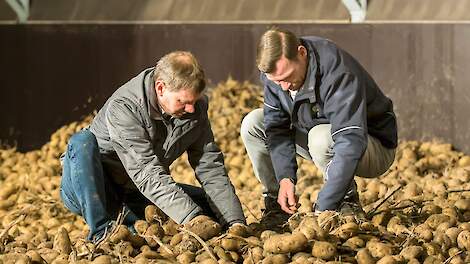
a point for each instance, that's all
(310, 84)
(153, 108)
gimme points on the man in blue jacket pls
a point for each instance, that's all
(320, 103)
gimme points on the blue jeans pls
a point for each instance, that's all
(88, 191)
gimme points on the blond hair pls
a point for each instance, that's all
(180, 70)
(273, 44)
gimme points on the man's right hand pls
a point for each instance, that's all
(286, 196)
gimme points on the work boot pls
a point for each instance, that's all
(273, 217)
(352, 206)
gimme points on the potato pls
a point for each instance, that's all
(382, 218)
(48, 254)
(153, 214)
(121, 234)
(463, 240)
(62, 242)
(324, 250)
(188, 243)
(154, 230)
(253, 255)
(61, 259)
(346, 231)
(310, 229)
(204, 227)
(232, 244)
(388, 260)
(432, 249)
(379, 249)
(267, 234)
(240, 230)
(12, 258)
(412, 252)
(34, 256)
(103, 259)
(150, 254)
(275, 259)
(440, 238)
(286, 243)
(463, 204)
(328, 220)
(221, 254)
(363, 256)
(124, 248)
(176, 239)
(170, 228)
(185, 257)
(452, 233)
(141, 226)
(354, 243)
(424, 232)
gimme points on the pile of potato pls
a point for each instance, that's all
(417, 212)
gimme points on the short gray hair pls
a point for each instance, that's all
(180, 70)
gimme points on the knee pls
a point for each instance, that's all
(83, 142)
(320, 141)
(251, 122)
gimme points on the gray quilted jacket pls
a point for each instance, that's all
(138, 145)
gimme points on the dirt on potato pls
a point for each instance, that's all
(418, 211)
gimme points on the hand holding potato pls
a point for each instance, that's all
(286, 197)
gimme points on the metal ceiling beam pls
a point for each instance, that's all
(357, 9)
(21, 8)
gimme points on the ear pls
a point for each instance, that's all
(159, 87)
(302, 51)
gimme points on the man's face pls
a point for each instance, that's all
(176, 103)
(290, 74)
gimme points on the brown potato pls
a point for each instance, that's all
(275, 259)
(324, 250)
(204, 227)
(62, 242)
(186, 257)
(286, 243)
(378, 249)
(412, 252)
(463, 240)
(363, 256)
(310, 229)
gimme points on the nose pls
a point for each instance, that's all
(189, 108)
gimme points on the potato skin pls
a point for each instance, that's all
(286, 243)
(324, 250)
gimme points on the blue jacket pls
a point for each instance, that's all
(339, 91)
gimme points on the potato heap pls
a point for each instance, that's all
(417, 212)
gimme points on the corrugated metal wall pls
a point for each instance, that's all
(53, 74)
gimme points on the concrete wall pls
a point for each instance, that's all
(53, 74)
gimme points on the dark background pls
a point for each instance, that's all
(52, 74)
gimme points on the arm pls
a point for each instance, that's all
(208, 163)
(345, 107)
(280, 136)
(135, 150)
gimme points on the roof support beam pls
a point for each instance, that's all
(21, 8)
(357, 9)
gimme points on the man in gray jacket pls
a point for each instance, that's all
(321, 104)
(123, 159)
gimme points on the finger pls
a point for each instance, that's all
(291, 198)
(281, 200)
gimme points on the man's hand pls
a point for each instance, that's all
(286, 197)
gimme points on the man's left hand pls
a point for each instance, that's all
(286, 197)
